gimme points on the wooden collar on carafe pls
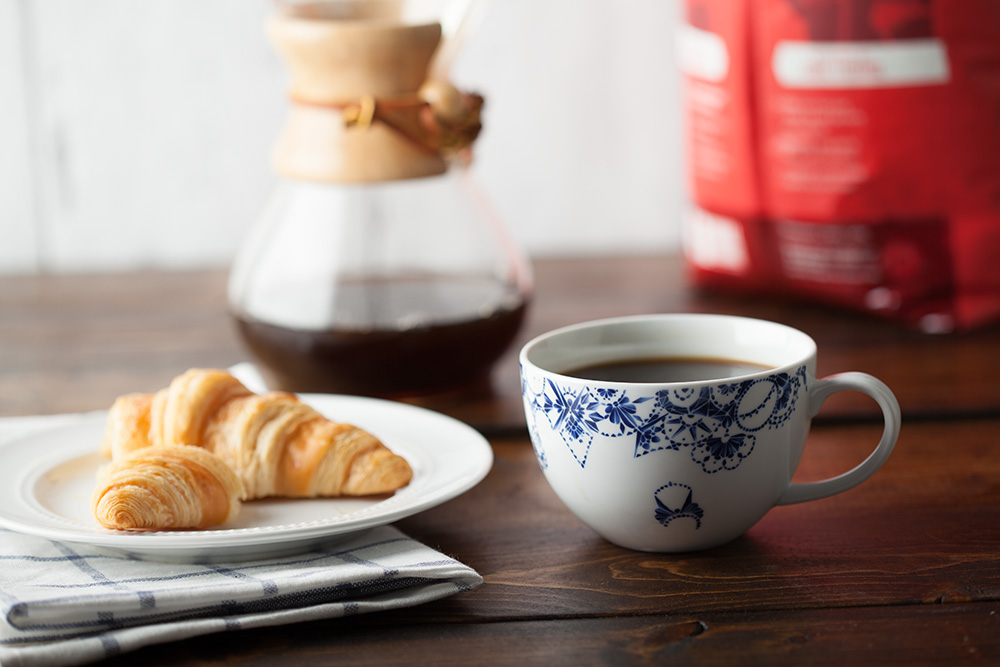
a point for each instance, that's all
(361, 109)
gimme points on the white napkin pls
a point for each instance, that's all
(66, 604)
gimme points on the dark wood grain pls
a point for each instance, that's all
(74, 343)
(904, 569)
(931, 635)
(913, 534)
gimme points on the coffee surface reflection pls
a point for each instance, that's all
(667, 369)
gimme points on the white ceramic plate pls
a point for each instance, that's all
(46, 480)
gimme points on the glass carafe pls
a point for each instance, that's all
(379, 267)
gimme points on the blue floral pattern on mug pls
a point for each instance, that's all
(674, 501)
(715, 423)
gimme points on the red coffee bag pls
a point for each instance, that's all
(848, 151)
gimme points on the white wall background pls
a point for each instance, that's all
(137, 134)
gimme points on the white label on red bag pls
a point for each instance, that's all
(843, 65)
(702, 54)
(833, 254)
(715, 242)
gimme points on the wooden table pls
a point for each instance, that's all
(904, 569)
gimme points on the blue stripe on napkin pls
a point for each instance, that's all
(53, 594)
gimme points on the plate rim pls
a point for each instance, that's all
(478, 459)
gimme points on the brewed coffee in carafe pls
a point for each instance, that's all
(378, 267)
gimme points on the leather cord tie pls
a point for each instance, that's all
(439, 118)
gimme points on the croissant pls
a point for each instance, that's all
(160, 488)
(277, 445)
(128, 425)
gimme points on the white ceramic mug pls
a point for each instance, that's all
(682, 466)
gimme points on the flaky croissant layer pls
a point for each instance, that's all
(169, 487)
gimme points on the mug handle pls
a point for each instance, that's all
(823, 389)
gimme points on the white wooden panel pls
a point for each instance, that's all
(155, 129)
(581, 146)
(153, 121)
(18, 248)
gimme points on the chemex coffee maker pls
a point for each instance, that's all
(378, 267)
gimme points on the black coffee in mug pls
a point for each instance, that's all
(667, 369)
